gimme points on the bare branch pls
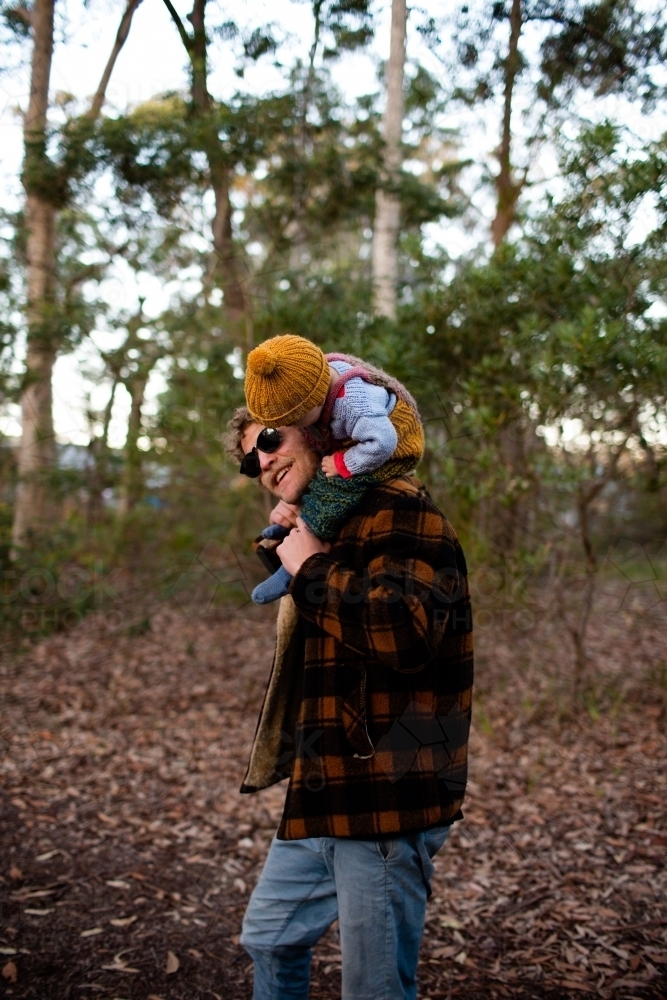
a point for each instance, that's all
(121, 38)
(185, 38)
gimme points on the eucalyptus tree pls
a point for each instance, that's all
(387, 202)
(337, 26)
(48, 177)
(205, 135)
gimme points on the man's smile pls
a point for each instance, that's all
(277, 477)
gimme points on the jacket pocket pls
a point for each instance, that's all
(355, 723)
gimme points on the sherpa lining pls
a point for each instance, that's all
(276, 727)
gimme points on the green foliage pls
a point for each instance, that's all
(348, 24)
(609, 47)
(556, 328)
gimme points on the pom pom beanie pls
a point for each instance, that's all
(286, 377)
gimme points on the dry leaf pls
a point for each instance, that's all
(172, 963)
(461, 958)
(107, 819)
(522, 881)
(7, 951)
(15, 872)
(123, 921)
(92, 932)
(452, 922)
(446, 952)
(38, 913)
(10, 972)
(32, 893)
(47, 856)
(120, 967)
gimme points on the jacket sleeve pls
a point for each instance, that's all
(396, 613)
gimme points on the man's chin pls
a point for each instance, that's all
(290, 494)
(288, 490)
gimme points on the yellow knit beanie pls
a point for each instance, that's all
(285, 378)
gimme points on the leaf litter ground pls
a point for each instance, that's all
(127, 854)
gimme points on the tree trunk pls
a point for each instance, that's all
(297, 229)
(387, 206)
(237, 306)
(508, 188)
(98, 447)
(35, 506)
(132, 484)
(226, 262)
(34, 498)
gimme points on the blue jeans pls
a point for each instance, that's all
(377, 889)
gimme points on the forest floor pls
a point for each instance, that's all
(127, 854)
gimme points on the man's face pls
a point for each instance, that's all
(288, 471)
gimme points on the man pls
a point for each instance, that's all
(367, 711)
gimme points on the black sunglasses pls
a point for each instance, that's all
(268, 441)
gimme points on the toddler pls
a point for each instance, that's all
(364, 422)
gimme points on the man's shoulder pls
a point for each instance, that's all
(403, 491)
(405, 502)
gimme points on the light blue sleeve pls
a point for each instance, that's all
(363, 415)
(377, 440)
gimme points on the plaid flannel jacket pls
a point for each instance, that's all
(368, 705)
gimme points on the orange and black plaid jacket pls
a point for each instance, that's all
(368, 705)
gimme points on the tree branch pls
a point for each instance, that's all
(507, 188)
(121, 38)
(19, 14)
(185, 38)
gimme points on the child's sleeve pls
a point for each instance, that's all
(361, 414)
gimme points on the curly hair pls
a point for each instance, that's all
(236, 428)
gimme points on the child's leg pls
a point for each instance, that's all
(275, 587)
(331, 500)
(278, 583)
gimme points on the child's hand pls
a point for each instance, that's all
(285, 514)
(329, 466)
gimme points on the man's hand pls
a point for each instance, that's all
(329, 466)
(299, 545)
(285, 514)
